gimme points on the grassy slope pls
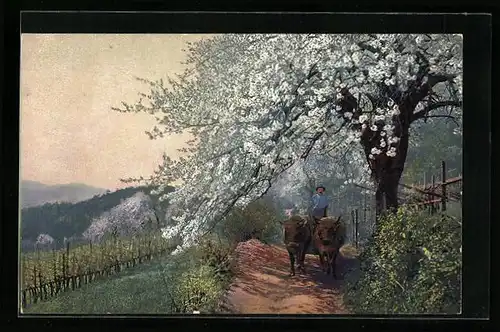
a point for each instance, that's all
(138, 290)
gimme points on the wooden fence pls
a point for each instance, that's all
(43, 290)
(433, 197)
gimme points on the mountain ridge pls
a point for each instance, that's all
(35, 193)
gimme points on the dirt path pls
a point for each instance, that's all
(262, 284)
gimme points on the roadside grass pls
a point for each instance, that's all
(194, 279)
(138, 290)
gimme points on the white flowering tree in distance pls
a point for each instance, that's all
(258, 104)
(127, 218)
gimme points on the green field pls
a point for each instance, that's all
(138, 290)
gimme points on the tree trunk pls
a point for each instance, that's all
(387, 171)
(379, 200)
(389, 175)
(388, 191)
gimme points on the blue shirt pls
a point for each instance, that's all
(320, 202)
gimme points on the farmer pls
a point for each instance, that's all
(319, 203)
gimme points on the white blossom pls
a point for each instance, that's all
(388, 127)
(363, 118)
(242, 91)
(44, 239)
(348, 115)
(395, 111)
(393, 140)
(128, 217)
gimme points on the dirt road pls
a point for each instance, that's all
(262, 284)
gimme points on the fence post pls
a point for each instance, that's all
(23, 300)
(433, 205)
(364, 209)
(67, 261)
(426, 194)
(461, 184)
(353, 226)
(356, 225)
(443, 186)
(35, 295)
(54, 266)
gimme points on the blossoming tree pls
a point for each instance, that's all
(299, 182)
(44, 241)
(258, 104)
(127, 218)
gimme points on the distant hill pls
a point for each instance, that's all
(69, 220)
(34, 193)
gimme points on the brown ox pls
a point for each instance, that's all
(329, 236)
(297, 238)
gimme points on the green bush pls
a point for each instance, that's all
(259, 220)
(196, 279)
(217, 255)
(195, 289)
(411, 265)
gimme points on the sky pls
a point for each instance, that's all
(69, 82)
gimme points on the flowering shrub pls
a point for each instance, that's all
(411, 265)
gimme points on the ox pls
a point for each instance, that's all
(297, 238)
(329, 236)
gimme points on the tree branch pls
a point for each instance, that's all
(314, 139)
(423, 114)
(366, 47)
(443, 116)
(425, 89)
(434, 79)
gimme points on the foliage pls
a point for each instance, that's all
(259, 220)
(433, 143)
(195, 290)
(257, 104)
(411, 265)
(217, 255)
(197, 278)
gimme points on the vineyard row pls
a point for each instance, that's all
(46, 274)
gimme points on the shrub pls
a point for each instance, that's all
(259, 220)
(217, 255)
(411, 265)
(194, 289)
(197, 278)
